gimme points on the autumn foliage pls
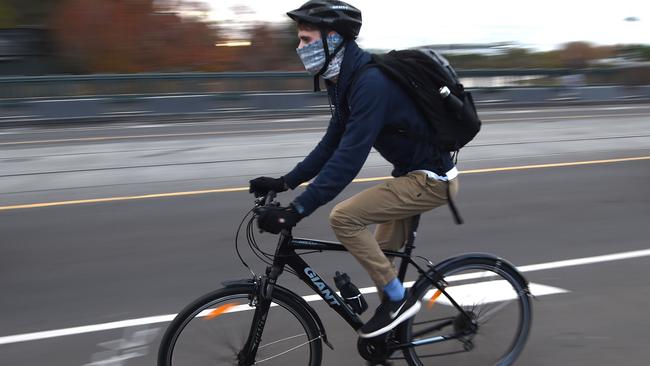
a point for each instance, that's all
(580, 54)
(135, 36)
(129, 36)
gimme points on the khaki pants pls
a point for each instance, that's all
(391, 205)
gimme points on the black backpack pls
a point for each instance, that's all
(433, 85)
(422, 74)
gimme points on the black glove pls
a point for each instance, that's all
(274, 219)
(262, 185)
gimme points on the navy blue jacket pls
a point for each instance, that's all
(373, 112)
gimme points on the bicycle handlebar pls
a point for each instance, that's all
(264, 203)
(266, 200)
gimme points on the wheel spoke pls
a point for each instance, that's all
(212, 330)
(457, 327)
(483, 318)
(443, 323)
(281, 340)
(289, 350)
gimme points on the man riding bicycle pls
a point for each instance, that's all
(370, 110)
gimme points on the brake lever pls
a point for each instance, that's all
(270, 197)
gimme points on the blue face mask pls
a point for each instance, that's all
(313, 56)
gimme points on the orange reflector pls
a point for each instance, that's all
(433, 299)
(220, 310)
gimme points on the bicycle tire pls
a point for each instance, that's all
(232, 303)
(501, 287)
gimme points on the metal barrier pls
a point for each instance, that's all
(134, 85)
(149, 84)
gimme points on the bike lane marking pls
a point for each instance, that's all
(537, 289)
(358, 180)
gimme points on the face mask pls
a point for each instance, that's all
(334, 67)
(313, 56)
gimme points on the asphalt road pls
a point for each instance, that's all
(80, 244)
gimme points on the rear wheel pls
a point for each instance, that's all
(213, 330)
(494, 327)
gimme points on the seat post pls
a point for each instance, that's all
(409, 246)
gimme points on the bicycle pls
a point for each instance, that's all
(262, 322)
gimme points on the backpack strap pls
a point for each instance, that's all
(452, 206)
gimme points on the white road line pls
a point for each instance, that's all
(10, 117)
(26, 337)
(584, 261)
(178, 96)
(65, 100)
(487, 101)
(232, 109)
(128, 112)
(280, 93)
(490, 292)
(562, 109)
(85, 329)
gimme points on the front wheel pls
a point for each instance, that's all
(493, 327)
(214, 329)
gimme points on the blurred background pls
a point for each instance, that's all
(46, 37)
(129, 130)
(84, 37)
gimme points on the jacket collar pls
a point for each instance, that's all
(353, 59)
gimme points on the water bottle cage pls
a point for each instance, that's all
(357, 303)
(350, 293)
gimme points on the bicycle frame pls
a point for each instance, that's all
(285, 254)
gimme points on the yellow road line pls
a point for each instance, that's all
(556, 165)
(526, 167)
(125, 198)
(542, 118)
(359, 180)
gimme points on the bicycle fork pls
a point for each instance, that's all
(262, 301)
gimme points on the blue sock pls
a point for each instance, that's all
(394, 290)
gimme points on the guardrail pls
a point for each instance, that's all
(61, 86)
(183, 107)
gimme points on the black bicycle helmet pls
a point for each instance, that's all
(341, 17)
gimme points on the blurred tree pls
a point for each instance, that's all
(548, 60)
(512, 58)
(273, 47)
(33, 12)
(516, 57)
(136, 36)
(176, 35)
(636, 52)
(604, 52)
(577, 54)
(7, 15)
(644, 53)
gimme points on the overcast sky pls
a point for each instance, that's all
(541, 25)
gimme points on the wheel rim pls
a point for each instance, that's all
(215, 333)
(497, 331)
